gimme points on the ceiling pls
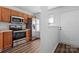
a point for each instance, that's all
(33, 9)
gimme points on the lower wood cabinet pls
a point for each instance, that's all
(28, 35)
(5, 40)
(7, 36)
(1, 41)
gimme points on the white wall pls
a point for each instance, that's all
(68, 19)
(56, 17)
(53, 33)
(70, 28)
(49, 35)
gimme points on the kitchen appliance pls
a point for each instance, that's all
(19, 35)
(17, 31)
(16, 19)
(15, 27)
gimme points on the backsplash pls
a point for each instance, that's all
(5, 26)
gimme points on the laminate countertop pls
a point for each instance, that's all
(5, 30)
(22, 30)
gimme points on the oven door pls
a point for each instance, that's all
(18, 35)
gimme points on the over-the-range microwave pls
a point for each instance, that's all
(16, 19)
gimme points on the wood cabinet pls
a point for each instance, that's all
(28, 35)
(14, 13)
(5, 40)
(1, 41)
(21, 14)
(5, 12)
(0, 13)
(25, 18)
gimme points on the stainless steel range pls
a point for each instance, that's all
(17, 25)
(17, 33)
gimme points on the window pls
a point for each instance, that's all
(50, 21)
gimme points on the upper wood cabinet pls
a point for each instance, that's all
(20, 14)
(25, 18)
(14, 13)
(0, 13)
(5, 12)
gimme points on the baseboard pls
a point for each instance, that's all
(55, 48)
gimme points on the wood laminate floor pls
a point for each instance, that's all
(64, 48)
(29, 47)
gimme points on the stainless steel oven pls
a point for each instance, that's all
(19, 35)
(17, 31)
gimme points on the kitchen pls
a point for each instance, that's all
(15, 28)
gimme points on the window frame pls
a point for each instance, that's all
(51, 23)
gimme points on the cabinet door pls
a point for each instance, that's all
(28, 36)
(7, 39)
(20, 14)
(0, 13)
(5, 14)
(14, 13)
(25, 18)
(1, 41)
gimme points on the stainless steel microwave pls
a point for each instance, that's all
(16, 19)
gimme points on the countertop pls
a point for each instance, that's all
(5, 30)
(22, 30)
(14, 31)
